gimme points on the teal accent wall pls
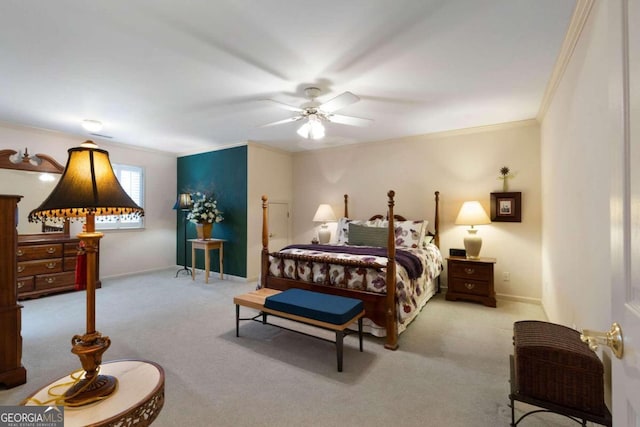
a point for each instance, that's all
(224, 174)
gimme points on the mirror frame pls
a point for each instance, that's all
(47, 165)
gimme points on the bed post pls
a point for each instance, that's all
(391, 309)
(436, 238)
(346, 206)
(265, 243)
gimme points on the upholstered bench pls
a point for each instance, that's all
(331, 312)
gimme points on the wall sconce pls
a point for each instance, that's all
(472, 213)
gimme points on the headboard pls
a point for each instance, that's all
(436, 220)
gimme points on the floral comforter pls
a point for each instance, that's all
(411, 294)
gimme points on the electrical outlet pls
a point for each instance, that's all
(506, 276)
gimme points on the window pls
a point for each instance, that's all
(131, 179)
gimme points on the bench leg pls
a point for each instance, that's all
(360, 332)
(237, 320)
(339, 340)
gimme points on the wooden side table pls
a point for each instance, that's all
(206, 246)
(137, 400)
(471, 279)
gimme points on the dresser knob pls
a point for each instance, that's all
(51, 250)
(51, 265)
(51, 280)
(20, 268)
(469, 285)
(469, 270)
(19, 252)
(20, 285)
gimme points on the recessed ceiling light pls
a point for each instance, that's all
(92, 125)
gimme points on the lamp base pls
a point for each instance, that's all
(324, 234)
(90, 390)
(472, 244)
(89, 348)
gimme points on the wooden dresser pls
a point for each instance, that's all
(471, 279)
(47, 264)
(12, 373)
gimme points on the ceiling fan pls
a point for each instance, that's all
(315, 113)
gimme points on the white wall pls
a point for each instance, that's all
(575, 185)
(270, 174)
(462, 165)
(121, 252)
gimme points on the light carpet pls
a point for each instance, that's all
(451, 368)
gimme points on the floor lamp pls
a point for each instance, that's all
(184, 204)
(88, 188)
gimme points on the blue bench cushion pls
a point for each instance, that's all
(327, 308)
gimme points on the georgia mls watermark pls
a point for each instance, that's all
(31, 416)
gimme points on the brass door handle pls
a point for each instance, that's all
(612, 339)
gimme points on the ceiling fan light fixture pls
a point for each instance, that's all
(312, 129)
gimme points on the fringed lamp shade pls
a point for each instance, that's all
(87, 186)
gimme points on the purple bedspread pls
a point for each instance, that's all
(406, 259)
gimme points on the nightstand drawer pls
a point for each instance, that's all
(469, 286)
(476, 271)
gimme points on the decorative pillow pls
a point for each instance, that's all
(342, 230)
(410, 234)
(362, 235)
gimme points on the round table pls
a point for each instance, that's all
(136, 402)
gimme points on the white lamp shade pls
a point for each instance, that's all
(472, 213)
(324, 214)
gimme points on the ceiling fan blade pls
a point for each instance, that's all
(286, 106)
(349, 120)
(280, 122)
(340, 101)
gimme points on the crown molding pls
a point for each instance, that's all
(578, 21)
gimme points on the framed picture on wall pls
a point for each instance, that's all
(506, 207)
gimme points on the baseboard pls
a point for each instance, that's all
(516, 298)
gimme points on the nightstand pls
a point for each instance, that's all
(471, 279)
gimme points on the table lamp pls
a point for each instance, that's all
(472, 213)
(324, 214)
(88, 187)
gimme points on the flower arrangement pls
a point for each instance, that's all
(505, 174)
(204, 209)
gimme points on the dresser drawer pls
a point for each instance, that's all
(71, 249)
(470, 286)
(69, 263)
(25, 253)
(45, 266)
(51, 281)
(476, 271)
(26, 284)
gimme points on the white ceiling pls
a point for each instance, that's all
(188, 76)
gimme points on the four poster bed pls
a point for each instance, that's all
(390, 263)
